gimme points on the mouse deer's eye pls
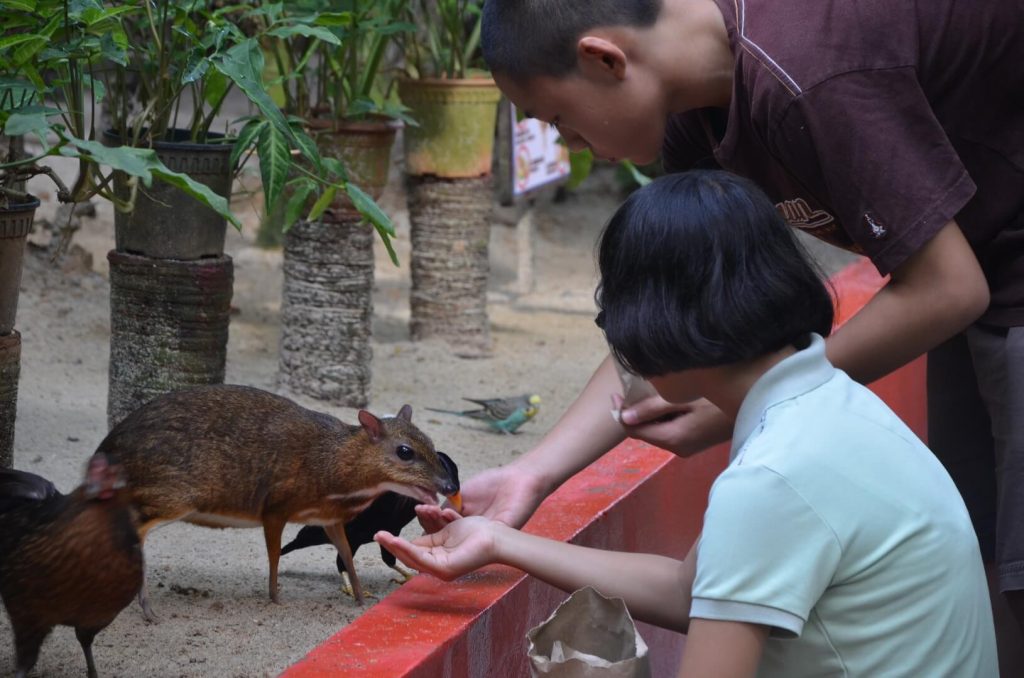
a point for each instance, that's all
(405, 453)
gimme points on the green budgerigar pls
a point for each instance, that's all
(502, 414)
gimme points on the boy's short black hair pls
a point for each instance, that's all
(699, 270)
(527, 38)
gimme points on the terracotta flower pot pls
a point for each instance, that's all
(455, 136)
(167, 223)
(15, 224)
(365, 149)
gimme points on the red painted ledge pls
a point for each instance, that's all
(635, 498)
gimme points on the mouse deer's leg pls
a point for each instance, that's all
(147, 610)
(336, 533)
(273, 528)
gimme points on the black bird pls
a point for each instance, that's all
(390, 511)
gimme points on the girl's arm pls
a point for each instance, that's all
(656, 588)
(723, 649)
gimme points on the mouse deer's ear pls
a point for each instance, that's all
(373, 426)
(405, 412)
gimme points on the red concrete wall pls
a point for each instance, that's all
(636, 498)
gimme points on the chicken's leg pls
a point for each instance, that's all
(336, 533)
(389, 559)
(85, 638)
(27, 641)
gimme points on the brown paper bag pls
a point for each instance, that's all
(588, 635)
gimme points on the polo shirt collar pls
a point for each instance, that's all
(793, 376)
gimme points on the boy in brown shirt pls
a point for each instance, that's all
(895, 129)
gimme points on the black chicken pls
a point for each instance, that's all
(71, 560)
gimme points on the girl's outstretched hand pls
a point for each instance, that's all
(463, 545)
(683, 429)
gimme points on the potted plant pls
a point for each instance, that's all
(450, 95)
(47, 59)
(448, 159)
(332, 58)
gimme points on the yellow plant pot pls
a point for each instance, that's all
(455, 136)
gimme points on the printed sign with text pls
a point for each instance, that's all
(538, 155)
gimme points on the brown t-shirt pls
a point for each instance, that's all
(873, 123)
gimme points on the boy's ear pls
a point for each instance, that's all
(598, 56)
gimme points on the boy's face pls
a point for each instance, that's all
(617, 120)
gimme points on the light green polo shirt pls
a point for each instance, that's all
(837, 527)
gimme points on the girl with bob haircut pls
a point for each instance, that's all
(700, 270)
(834, 542)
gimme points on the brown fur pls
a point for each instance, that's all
(244, 453)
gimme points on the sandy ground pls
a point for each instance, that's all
(209, 586)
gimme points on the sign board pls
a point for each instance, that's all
(538, 155)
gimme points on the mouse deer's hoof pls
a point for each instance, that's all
(147, 610)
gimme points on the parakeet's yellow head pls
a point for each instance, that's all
(533, 409)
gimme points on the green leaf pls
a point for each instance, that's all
(386, 239)
(12, 40)
(307, 31)
(246, 137)
(243, 63)
(110, 13)
(25, 51)
(307, 147)
(336, 168)
(29, 119)
(322, 203)
(369, 209)
(274, 162)
(200, 192)
(334, 19)
(215, 87)
(112, 50)
(16, 94)
(99, 88)
(195, 70)
(19, 5)
(639, 177)
(293, 210)
(580, 164)
(138, 162)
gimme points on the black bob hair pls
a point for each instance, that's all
(699, 270)
(527, 38)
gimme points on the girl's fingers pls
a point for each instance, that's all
(431, 518)
(403, 550)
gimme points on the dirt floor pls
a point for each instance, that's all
(209, 586)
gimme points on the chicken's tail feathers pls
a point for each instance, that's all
(310, 535)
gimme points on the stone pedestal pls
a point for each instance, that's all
(327, 309)
(450, 223)
(10, 368)
(168, 327)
